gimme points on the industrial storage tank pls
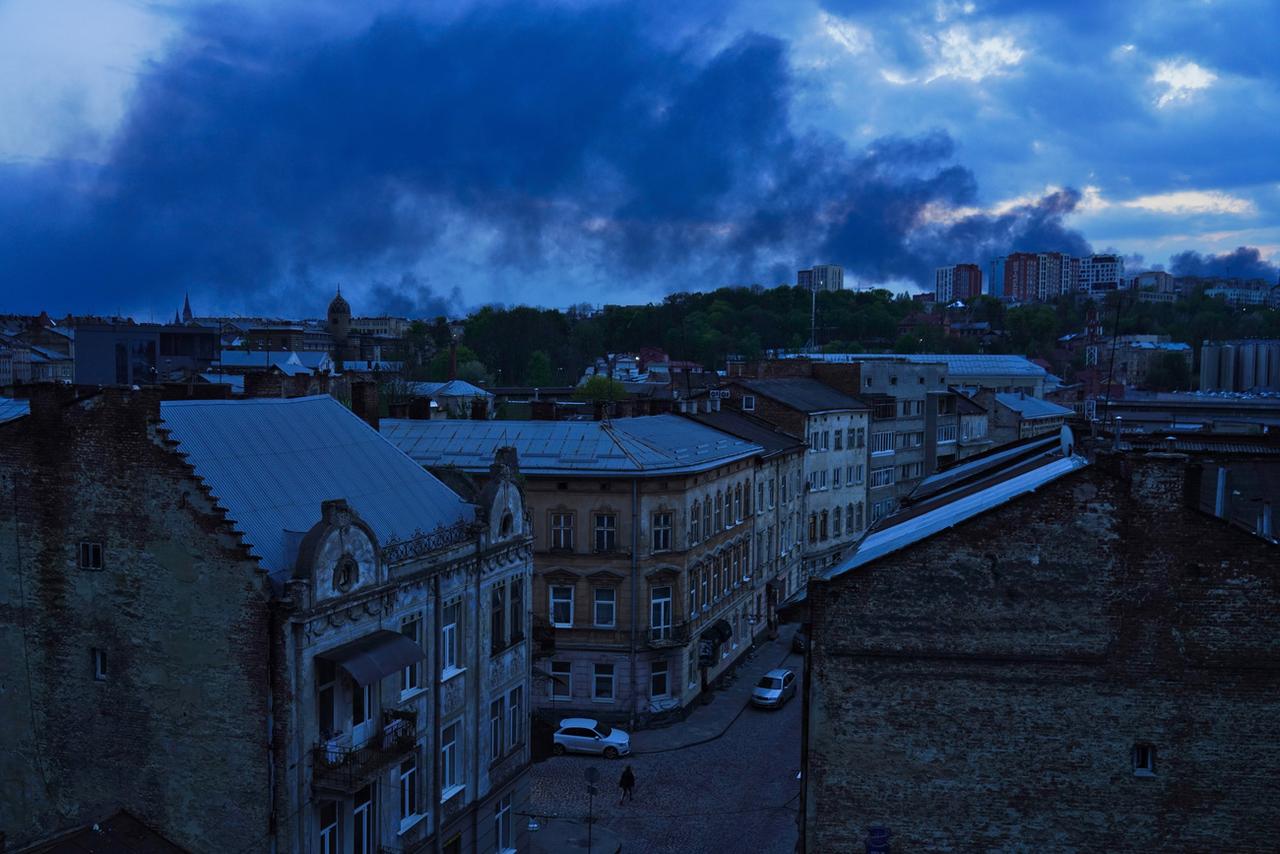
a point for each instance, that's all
(1269, 365)
(1246, 353)
(1227, 368)
(1209, 356)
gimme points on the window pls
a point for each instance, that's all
(561, 680)
(695, 523)
(606, 532)
(606, 600)
(90, 556)
(784, 491)
(880, 509)
(826, 440)
(364, 825)
(408, 789)
(450, 760)
(835, 478)
(913, 439)
(719, 510)
(746, 560)
(822, 479)
(822, 525)
(748, 403)
(411, 676)
(882, 442)
(883, 409)
(661, 532)
(516, 595)
(813, 527)
(329, 827)
(813, 441)
(1144, 760)
(660, 613)
(503, 838)
(515, 716)
(911, 408)
(703, 583)
(784, 488)
(835, 523)
(498, 618)
(658, 683)
(562, 531)
(602, 682)
(736, 573)
(693, 597)
(706, 516)
(910, 471)
(561, 605)
(746, 500)
(882, 477)
(450, 630)
(858, 515)
(839, 440)
(496, 713)
(99, 664)
(946, 433)
(325, 687)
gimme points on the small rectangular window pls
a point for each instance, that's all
(606, 532)
(99, 664)
(661, 532)
(602, 687)
(1144, 760)
(561, 680)
(606, 599)
(749, 403)
(90, 556)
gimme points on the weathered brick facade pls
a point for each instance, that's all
(984, 689)
(178, 607)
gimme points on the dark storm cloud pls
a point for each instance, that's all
(256, 165)
(1244, 262)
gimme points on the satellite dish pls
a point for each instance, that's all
(1066, 441)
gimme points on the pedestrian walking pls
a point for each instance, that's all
(626, 784)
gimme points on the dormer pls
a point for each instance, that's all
(339, 555)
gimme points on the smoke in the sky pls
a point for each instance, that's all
(518, 144)
(1244, 262)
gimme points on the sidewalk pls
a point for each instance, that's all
(559, 835)
(710, 721)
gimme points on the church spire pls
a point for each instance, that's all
(186, 308)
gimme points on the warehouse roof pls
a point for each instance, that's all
(803, 394)
(1031, 407)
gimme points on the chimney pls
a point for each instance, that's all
(364, 401)
(48, 400)
(420, 409)
(479, 409)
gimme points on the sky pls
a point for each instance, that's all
(432, 158)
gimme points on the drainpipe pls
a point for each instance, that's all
(473, 688)
(299, 738)
(437, 766)
(635, 587)
(1220, 494)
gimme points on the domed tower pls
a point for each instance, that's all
(340, 326)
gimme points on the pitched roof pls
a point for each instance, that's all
(764, 434)
(1031, 407)
(803, 393)
(270, 462)
(122, 833)
(655, 444)
(11, 408)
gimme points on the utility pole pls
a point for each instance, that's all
(813, 317)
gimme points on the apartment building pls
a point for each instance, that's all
(835, 476)
(647, 582)
(957, 282)
(257, 626)
(1101, 273)
(1038, 276)
(821, 277)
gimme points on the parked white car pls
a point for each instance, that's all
(774, 688)
(584, 735)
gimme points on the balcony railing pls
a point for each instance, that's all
(347, 767)
(667, 636)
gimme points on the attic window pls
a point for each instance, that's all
(506, 524)
(345, 573)
(90, 556)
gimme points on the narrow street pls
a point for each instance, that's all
(735, 792)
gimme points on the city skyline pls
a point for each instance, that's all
(615, 152)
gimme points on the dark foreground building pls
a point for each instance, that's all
(255, 626)
(1048, 654)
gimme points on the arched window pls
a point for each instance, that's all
(848, 518)
(835, 523)
(746, 498)
(737, 503)
(813, 527)
(746, 559)
(695, 523)
(737, 567)
(706, 517)
(506, 524)
(720, 500)
(822, 526)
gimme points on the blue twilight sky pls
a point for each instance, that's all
(431, 157)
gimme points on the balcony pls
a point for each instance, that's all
(348, 767)
(664, 637)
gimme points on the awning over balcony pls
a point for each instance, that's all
(374, 656)
(718, 632)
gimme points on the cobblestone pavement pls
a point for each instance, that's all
(736, 792)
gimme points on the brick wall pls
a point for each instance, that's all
(176, 732)
(983, 689)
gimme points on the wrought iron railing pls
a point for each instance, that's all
(674, 635)
(420, 543)
(347, 767)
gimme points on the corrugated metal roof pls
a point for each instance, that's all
(270, 463)
(1032, 407)
(653, 444)
(11, 409)
(804, 394)
(917, 527)
(958, 364)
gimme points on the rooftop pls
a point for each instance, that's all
(803, 393)
(1031, 407)
(650, 445)
(764, 434)
(958, 365)
(11, 409)
(271, 462)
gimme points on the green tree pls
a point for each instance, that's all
(438, 367)
(1169, 372)
(538, 371)
(600, 389)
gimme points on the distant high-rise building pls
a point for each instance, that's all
(821, 277)
(957, 282)
(1037, 276)
(1101, 273)
(995, 277)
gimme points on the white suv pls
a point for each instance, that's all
(584, 735)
